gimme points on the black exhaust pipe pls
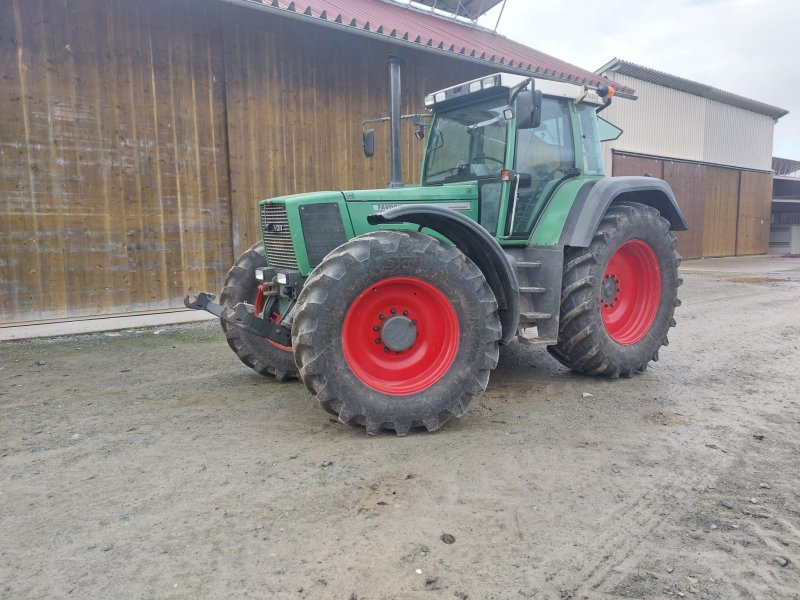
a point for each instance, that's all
(394, 111)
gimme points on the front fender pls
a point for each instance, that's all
(476, 243)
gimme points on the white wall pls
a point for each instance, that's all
(674, 124)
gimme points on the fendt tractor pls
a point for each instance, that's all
(390, 304)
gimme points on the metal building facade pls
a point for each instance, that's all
(675, 124)
(713, 147)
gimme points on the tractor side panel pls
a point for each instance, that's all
(362, 204)
(551, 224)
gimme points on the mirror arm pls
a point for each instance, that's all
(517, 89)
(606, 104)
(385, 119)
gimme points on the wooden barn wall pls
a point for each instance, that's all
(720, 199)
(727, 209)
(131, 161)
(686, 179)
(297, 95)
(755, 212)
(114, 191)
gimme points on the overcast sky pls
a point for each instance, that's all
(748, 47)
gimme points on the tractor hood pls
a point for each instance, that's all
(299, 230)
(457, 194)
(462, 197)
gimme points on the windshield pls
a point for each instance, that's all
(467, 143)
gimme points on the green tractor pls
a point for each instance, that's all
(390, 304)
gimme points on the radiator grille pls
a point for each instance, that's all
(277, 238)
(322, 230)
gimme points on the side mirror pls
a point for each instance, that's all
(368, 141)
(529, 109)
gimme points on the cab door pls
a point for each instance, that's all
(547, 154)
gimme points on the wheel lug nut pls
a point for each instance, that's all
(375, 328)
(405, 313)
(377, 340)
(381, 316)
(386, 348)
(393, 310)
(413, 321)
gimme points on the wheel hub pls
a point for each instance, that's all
(398, 333)
(610, 290)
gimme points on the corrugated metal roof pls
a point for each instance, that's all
(421, 28)
(786, 167)
(690, 87)
(469, 8)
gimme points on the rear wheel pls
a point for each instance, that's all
(262, 355)
(395, 330)
(619, 294)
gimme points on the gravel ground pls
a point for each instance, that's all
(150, 463)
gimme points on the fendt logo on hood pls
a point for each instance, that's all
(276, 227)
(380, 208)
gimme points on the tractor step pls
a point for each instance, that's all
(534, 264)
(535, 316)
(530, 336)
(532, 290)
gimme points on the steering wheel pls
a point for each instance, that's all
(483, 157)
(544, 172)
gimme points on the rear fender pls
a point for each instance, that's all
(476, 243)
(595, 197)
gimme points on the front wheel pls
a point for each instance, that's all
(396, 330)
(260, 354)
(619, 294)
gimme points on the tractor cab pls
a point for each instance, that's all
(518, 139)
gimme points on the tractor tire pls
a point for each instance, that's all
(619, 294)
(396, 330)
(263, 356)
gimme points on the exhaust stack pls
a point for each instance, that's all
(394, 111)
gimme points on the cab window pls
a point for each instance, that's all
(547, 152)
(549, 148)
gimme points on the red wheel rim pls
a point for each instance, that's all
(259, 302)
(414, 304)
(630, 292)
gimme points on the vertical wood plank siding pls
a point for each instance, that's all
(297, 95)
(721, 196)
(727, 210)
(755, 213)
(116, 188)
(686, 180)
(114, 191)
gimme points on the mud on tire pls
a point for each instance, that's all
(587, 341)
(256, 352)
(345, 308)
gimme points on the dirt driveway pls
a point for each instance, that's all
(152, 464)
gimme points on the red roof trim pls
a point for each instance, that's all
(434, 32)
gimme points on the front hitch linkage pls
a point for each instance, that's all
(240, 316)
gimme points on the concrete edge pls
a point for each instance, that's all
(99, 324)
